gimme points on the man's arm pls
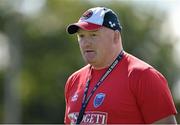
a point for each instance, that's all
(167, 120)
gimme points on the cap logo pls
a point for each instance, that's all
(112, 24)
(87, 15)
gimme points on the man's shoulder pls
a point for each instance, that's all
(138, 68)
(136, 64)
(80, 72)
(135, 67)
(76, 76)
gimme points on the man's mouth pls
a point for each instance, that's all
(87, 51)
(89, 54)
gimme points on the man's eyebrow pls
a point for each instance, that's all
(93, 31)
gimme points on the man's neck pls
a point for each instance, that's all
(108, 63)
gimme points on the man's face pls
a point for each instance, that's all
(96, 46)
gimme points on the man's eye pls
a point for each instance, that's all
(81, 35)
(93, 34)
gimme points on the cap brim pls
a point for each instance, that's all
(73, 28)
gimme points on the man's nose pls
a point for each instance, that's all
(86, 42)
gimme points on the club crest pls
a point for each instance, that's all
(98, 100)
(87, 15)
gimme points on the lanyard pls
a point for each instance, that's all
(86, 99)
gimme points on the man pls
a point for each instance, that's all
(114, 87)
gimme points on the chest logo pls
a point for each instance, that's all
(98, 100)
(75, 97)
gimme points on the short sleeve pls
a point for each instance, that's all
(153, 96)
(66, 93)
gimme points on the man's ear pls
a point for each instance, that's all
(116, 36)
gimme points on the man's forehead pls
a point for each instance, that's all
(86, 31)
(100, 30)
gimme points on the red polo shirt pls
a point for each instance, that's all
(134, 92)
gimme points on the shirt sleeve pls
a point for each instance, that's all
(153, 96)
(66, 93)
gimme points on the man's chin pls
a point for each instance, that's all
(90, 61)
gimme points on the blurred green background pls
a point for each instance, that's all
(37, 55)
